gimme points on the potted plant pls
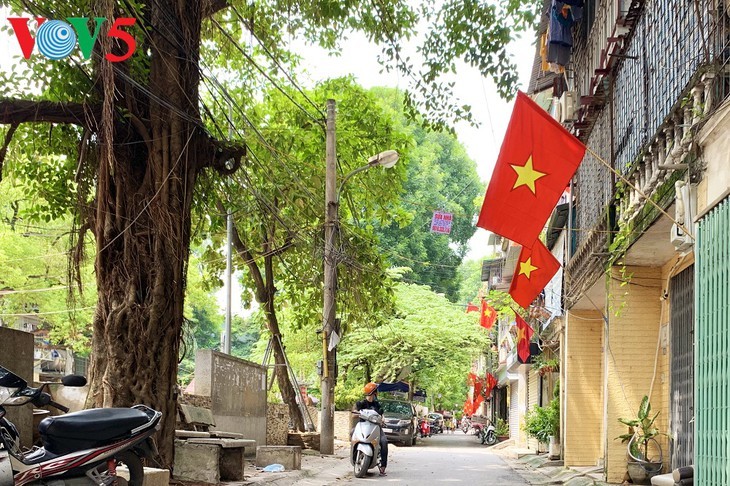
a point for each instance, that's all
(501, 429)
(545, 365)
(644, 452)
(543, 423)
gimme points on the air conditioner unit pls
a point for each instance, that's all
(685, 209)
(567, 106)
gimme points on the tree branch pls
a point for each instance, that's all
(210, 7)
(4, 148)
(14, 111)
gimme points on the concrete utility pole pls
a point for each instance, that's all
(329, 373)
(226, 341)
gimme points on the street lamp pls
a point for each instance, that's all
(386, 159)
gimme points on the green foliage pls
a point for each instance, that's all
(544, 365)
(440, 176)
(641, 429)
(34, 278)
(428, 342)
(501, 428)
(543, 422)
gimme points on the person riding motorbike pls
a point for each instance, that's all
(371, 402)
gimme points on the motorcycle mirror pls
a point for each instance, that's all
(73, 380)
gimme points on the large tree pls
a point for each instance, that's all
(136, 144)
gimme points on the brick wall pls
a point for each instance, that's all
(632, 339)
(583, 436)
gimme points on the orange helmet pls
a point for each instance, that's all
(370, 388)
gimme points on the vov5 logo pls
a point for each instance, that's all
(57, 39)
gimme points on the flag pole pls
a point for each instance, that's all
(641, 193)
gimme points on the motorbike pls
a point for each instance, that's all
(424, 428)
(488, 434)
(79, 449)
(365, 442)
(465, 424)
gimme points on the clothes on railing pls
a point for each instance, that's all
(559, 39)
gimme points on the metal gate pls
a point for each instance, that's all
(682, 367)
(514, 410)
(712, 357)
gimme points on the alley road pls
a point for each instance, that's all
(443, 458)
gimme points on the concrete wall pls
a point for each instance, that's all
(632, 338)
(582, 380)
(237, 389)
(716, 152)
(16, 354)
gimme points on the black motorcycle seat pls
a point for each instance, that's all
(88, 428)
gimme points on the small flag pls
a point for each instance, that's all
(524, 335)
(488, 315)
(471, 308)
(535, 268)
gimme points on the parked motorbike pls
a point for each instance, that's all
(488, 434)
(365, 442)
(79, 449)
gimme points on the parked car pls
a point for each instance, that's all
(400, 422)
(437, 422)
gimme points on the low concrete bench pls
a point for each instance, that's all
(288, 456)
(208, 456)
(152, 476)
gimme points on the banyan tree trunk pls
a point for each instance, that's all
(142, 224)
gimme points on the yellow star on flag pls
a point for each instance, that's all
(526, 268)
(526, 175)
(520, 334)
(488, 312)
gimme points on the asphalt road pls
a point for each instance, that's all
(443, 458)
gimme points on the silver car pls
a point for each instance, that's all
(400, 422)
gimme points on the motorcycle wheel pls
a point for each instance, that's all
(362, 464)
(491, 438)
(134, 465)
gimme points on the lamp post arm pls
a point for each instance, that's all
(348, 176)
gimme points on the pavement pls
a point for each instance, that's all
(537, 469)
(319, 470)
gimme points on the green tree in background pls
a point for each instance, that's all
(440, 176)
(429, 342)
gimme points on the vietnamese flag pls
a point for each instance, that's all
(491, 383)
(488, 315)
(471, 308)
(524, 334)
(537, 160)
(535, 268)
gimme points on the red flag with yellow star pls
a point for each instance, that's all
(537, 160)
(491, 382)
(487, 316)
(535, 267)
(524, 335)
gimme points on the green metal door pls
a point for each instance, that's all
(712, 354)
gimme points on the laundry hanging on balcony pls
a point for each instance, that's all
(563, 15)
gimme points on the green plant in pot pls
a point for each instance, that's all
(545, 365)
(501, 429)
(543, 423)
(644, 452)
